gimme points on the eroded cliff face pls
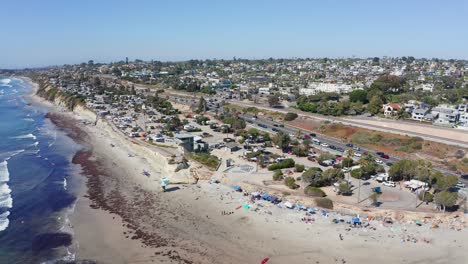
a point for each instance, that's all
(158, 161)
(69, 102)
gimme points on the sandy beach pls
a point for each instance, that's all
(123, 217)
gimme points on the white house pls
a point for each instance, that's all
(391, 109)
(315, 88)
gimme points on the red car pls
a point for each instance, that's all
(385, 156)
(311, 159)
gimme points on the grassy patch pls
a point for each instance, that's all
(161, 145)
(211, 161)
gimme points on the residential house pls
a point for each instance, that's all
(445, 115)
(264, 90)
(463, 121)
(421, 114)
(391, 109)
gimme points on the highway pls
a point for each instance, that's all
(323, 139)
(387, 125)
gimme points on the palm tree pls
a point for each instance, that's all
(298, 133)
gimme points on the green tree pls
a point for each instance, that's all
(273, 100)
(445, 199)
(311, 175)
(290, 116)
(358, 95)
(375, 105)
(201, 105)
(282, 140)
(444, 183)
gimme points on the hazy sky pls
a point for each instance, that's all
(50, 32)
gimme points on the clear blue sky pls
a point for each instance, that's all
(50, 32)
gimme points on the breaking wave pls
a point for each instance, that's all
(25, 136)
(5, 195)
(4, 222)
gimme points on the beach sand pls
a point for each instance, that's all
(123, 217)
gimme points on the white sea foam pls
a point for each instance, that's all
(5, 192)
(4, 222)
(4, 215)
(10, 154)
(5, 81)
(6, 201)
(28, 119)
(4, 174)
(30, 135)
(4, 189)
(65, 183)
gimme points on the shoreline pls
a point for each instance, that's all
(187, 224)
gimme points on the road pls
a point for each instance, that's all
(444, 135)
(323, 139)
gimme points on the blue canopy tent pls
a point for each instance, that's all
(356, 221)
(237, 188)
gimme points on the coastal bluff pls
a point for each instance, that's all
(163, 162)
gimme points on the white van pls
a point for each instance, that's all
(316, 141)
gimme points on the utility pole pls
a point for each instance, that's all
(359, 190)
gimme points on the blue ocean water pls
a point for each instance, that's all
(35, 162)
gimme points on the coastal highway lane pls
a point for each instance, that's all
(323, 138)
(461, 140)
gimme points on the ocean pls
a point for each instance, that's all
(36, 183)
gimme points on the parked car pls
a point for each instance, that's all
(306, 137)
(460, 185)
(350, 145)
(281, 125)
(357, 154)
(275, 125)
(332, 147)
(380, 153)
(339, 149)
(389, 184)
(325, 145)
(274, 129)
(385, 156)
(311, 158)
(312, 134)
(389, 164)
(379, 161)
(356, 148)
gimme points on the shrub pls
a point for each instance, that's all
(426, 197)
(291, 183)
(290, 116)
(299, 168)
(206, 159)
(287, 163)
(314, 191)
(324, 202)
(345, 189)
(278, 175)
(357, 173)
